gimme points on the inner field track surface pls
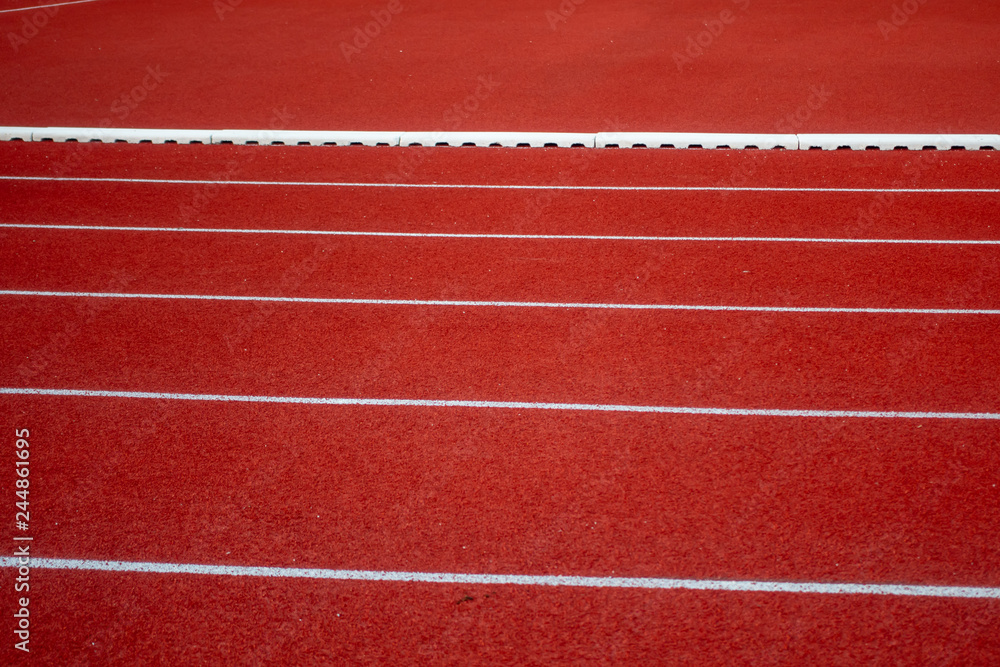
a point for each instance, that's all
(460, 490)
(845, 66)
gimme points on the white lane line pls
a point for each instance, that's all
(509, 405)
(528, 237)
(908, 590)
(502, 304)
(469, 186)
(58, 4)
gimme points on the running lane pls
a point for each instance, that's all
(687, 273)
(526, 493)
(823, 361)
(181, 620)
(516, 491)
(730, 65)
(893, 194)
(490, 490)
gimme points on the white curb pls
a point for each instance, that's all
(708, 140)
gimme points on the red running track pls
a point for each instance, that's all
(463, 490)
(919, 363)
(185, 620)
(740, 273)
(516, 491)
(771, 66)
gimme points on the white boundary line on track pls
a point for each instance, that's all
(527, 237)
(481, 186)
(708, 140)
(561, 581)
(28, 9)
(506, 405)
(500, 304)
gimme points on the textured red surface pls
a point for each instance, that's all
(786, 361)
(504, 491)
(680, 213)
(609, 66)
(697, 273)
(523, 492)
(187, 620)
(539, 166)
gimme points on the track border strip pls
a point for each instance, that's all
(709, 140)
